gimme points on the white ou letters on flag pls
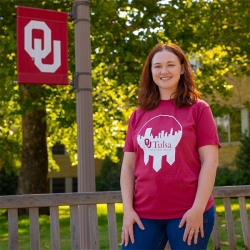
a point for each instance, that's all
(42, 46)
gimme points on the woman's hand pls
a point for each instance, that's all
(193, 219)
(129, 218)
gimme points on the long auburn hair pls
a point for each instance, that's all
(149, 94)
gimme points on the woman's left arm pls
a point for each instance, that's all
(194, 216)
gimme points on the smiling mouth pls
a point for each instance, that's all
(165, 78)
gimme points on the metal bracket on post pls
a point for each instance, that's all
(74, 82)
(73, 13)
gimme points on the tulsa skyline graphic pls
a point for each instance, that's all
(159, 137)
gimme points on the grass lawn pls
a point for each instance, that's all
(23, 228)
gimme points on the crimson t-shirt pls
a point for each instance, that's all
(167, 165)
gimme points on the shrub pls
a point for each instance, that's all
(8, 183)
(109, 177)
(225, 177)
(242, 162)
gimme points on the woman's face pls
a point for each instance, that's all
(166, 71)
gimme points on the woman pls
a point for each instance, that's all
(170, 158)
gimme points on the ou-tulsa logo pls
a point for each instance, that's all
(40, 51)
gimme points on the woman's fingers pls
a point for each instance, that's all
(138, 221)
(196, 235)
(193, 235)
(128, 231)
(126, 235)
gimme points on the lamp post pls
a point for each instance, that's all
(84, 111)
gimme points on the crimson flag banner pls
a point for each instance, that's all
(42, 46)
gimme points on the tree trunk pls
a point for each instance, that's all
(33, 176)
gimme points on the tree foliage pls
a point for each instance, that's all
(214, 34)
(241, 174)
(242, 162)
(109, 176)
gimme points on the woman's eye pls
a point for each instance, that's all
(171, 65)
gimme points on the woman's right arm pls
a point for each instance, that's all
(127, 182)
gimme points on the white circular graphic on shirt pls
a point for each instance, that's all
(159, 137)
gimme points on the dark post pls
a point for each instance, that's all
(84, 111)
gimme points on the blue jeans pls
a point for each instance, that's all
(158, 232)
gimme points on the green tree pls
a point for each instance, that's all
(28, 122)
(34, 146)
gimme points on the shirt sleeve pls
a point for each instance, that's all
(206, 130)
